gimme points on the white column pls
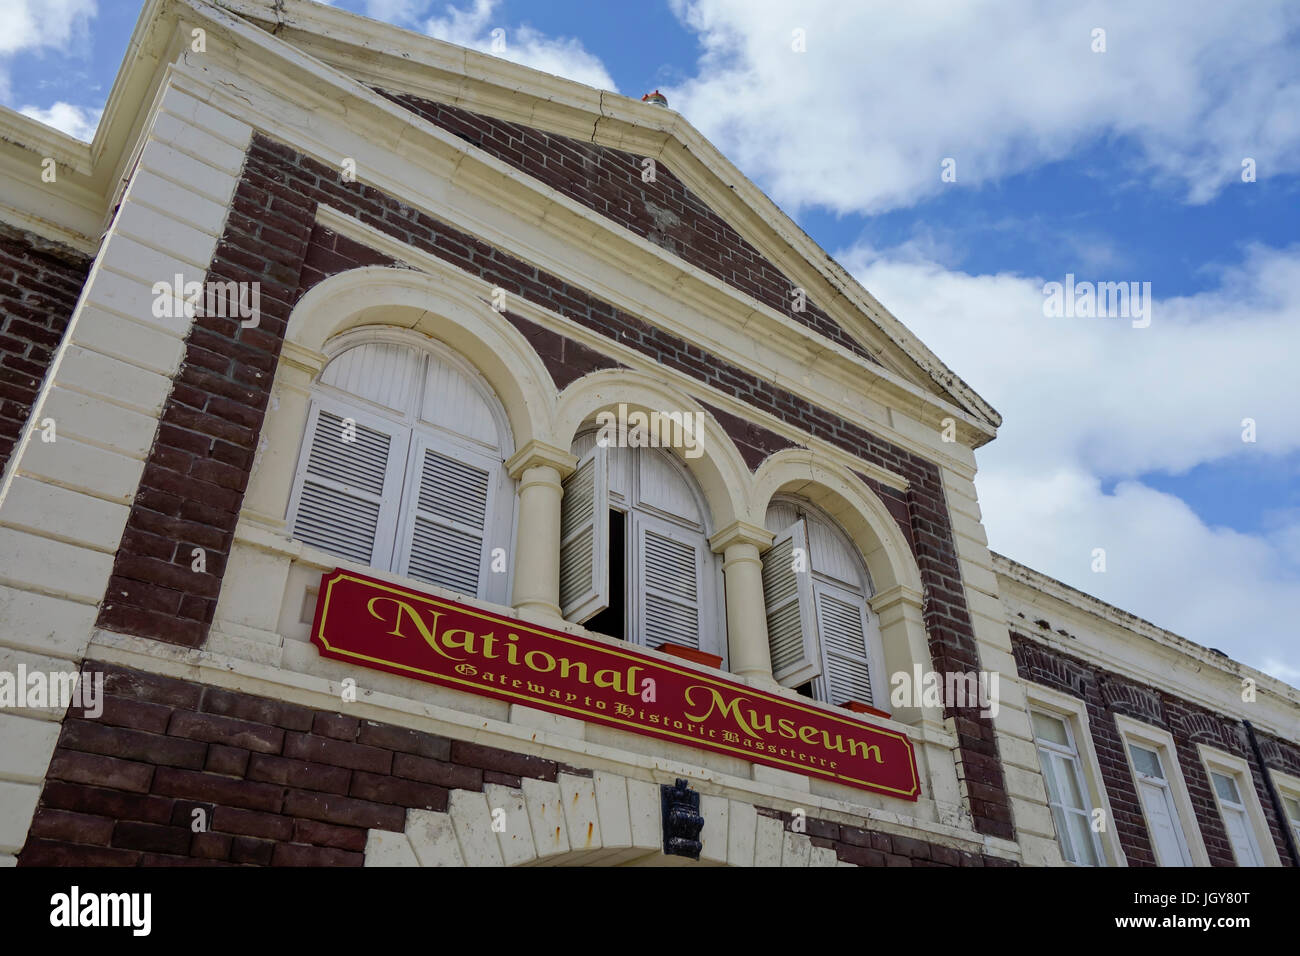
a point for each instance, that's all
(538, 468)
(740, 545)
(902, 632)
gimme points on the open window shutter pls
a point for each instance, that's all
(791, 624)
(448, 516)
(842, 626)
(348, 484)
(670, 572)
(584, 538)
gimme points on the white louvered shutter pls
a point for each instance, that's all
(842, 626)
(584, 538)
(788, 597)
(346, 492)
(669, 583)
(448, 514)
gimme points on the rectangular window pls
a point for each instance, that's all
(1232, 808)
(1066, 791)
(1292, 805)
(378, 493)
(1168, 841)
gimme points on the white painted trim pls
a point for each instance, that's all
(1238, 769)
(1162, 742)
(1287, 786)
(479, 79)
(310, 690)
(1122, 643)
(1075, 711)
(358, 231)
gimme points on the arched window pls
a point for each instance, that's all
(825, 640)
(402, 466)
(635, 561)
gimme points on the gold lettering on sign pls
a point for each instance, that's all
(463, 639)
(429, 634)
(751, 721)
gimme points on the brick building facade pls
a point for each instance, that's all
(480, 260)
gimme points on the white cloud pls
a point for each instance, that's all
(473, 27)
(1087, 398)
(885, 91)
(1116, 399)
(78, 122)
(38, 25)
(31, 24)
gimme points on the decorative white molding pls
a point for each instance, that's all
(1158, 658)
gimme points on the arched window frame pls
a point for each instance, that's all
(820, 584)
(399, 515)
(641, 516)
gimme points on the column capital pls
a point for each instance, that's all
(538, 453)
(302, 359)
(899, 594)
(741, 532)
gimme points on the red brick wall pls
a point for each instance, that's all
(187, 498)
(1106, 694)
(754, 442)
(40, 283)
(665, 212)
(874, 848)
(285, 785)
(196, 473)
(280, 785)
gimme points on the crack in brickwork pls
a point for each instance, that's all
(1106, 694)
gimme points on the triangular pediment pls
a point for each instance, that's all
(704, 204)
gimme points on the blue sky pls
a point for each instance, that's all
(1114, 165)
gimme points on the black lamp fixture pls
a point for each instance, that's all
(682, 820)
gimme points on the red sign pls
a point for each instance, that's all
(392, 628)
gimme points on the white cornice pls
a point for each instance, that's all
(447, 162)
(1122, 642)
(381, 55)
(42, 140)
(161, 37)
